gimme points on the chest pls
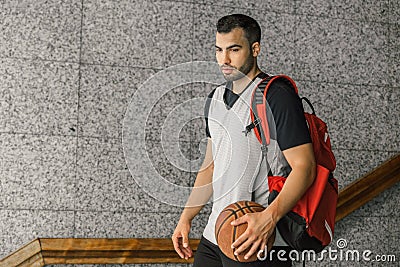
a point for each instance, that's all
(227, 124)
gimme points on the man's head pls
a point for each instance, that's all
(237, 45)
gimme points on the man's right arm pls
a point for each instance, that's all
(199, 196)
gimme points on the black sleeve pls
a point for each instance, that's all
(206, 110)
(288, 112)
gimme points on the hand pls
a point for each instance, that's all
(180, 239)
(260, 226)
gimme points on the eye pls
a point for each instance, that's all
(218, 50)
(235, 50)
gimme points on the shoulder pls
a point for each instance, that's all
(210, 96)
(288, 113)
(282, 89)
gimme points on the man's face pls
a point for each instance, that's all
(233, 54)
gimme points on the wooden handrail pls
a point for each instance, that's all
(369, 186)
(110, 251)
(28, 255)
(43, 251)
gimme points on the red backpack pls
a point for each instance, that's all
(310, 224)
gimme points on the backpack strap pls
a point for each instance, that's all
(258, 112)
(258, 104)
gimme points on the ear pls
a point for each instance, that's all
(255, 48)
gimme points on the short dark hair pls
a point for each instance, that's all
(249, 25)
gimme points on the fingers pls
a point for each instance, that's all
(175, 241)
(242, 247)
(181, 245)
(186, 247)
(254, 248)
(246, 241)
(243, 237)
(188, 252)
(264, 246)
(238, 242)
(241, 220)
(262, 253)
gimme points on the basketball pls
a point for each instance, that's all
(226, 234)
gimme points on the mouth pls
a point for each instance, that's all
(227, 70)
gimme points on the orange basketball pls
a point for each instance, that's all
(226, 234)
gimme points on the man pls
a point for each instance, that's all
(233, 162)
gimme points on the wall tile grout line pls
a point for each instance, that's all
(192, 95)
(366, 150)
(388, 61)
(295, 12)
(184, 140)
(295, 40)
(96, 211)
(36, 134)
(160, 69)
(344, 83)
(77, 120)
(39, 59)
(84, 63)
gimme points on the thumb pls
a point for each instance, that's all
(240, 220)
(185, 240)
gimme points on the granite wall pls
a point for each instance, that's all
(69, 70)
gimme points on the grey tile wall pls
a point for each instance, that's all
(37, 171)
(341, 51)
(127, 224)
(104, 95)
(69, 70)
(137, 33)
(394, 13)
(363, 10)
(19, 227)
(41, 96)
(280, 6)
(394, 55)
(48, 30)
(338, 102)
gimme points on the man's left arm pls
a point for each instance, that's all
(262, 224)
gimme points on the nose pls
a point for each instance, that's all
(225, 58)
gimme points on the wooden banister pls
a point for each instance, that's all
(43, 251)
(110, 251)
(369, 186)
(28, 255)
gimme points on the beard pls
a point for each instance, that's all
(243, 70)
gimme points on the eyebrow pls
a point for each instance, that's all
(231, 46)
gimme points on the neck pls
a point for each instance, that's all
(241, 84)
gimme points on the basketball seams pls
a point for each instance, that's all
(234, 238)
(247, 205)
(233, 212)
(237, 209)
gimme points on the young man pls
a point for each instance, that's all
(234, 168)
